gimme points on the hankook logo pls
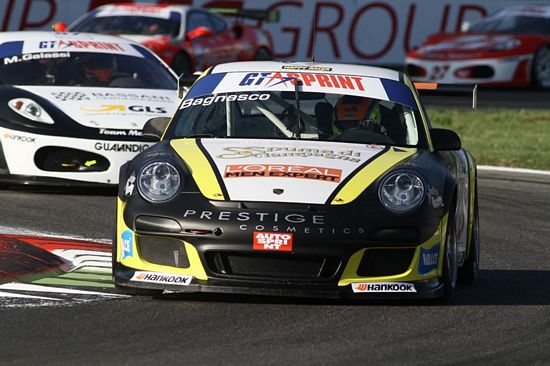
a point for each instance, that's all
(18, 138)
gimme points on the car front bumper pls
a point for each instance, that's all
(57, 160)
(326, 265)
(513, 71)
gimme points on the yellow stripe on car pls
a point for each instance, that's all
(135, 261)
(200, 168)
(350, 276)
(368, 174)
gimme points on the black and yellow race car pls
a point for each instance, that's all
(298, 179)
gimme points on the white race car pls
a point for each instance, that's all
(72, 105)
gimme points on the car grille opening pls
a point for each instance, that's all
(415, 71)
(272, 265)
(163, 251)
(64, 159)
(475, 72)
(385, 262)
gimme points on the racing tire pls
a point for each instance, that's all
(263, 54)
(450, 262)
(470, 269)
(540, 71)
(181, 64)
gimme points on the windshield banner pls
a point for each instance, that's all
(382, 89)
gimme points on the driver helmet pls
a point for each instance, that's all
(99, 67)
(352, 109)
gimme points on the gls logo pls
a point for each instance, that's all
(122, 108)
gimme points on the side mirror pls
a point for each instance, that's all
(154, 128)
(199, 32)
(444, 140)
(59, 27)
(184, 83)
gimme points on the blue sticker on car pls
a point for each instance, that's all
(127, 245)
(205, 85)
(11, 48)
(429, 259)
(399, 93)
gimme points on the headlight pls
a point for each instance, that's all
(28, 108)
(507, 45)
(401, 191)
(158, 182)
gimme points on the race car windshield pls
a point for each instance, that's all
(128, 25)
(273, 114)
(85, 69)
(512, 24)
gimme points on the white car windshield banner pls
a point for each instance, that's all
(68, 44)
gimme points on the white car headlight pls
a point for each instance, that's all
(507, 45)
(158, 182)
(401, 191)
(28, 108)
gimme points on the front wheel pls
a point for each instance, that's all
(540, 71)
(450, 263)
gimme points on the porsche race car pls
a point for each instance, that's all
(188, 39)
(298, 179)
(72, 106)
(509, 48)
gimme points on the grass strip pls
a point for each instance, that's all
(500, 137)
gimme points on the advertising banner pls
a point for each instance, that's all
(357, 31)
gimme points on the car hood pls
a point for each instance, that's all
(293, 171)
(116, 108)
(140, 38)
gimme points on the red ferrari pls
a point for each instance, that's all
(509, 48)
(186, 38)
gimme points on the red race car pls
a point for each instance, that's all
(186, 38)
(508, 48)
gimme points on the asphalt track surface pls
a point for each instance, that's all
(504, 319)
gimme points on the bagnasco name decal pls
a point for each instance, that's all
(283, 171)
(272, 241)
(162, 278)
(383, 287)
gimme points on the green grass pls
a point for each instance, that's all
(500, 137)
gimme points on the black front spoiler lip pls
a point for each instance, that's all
(425, 290)
(38, 181)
